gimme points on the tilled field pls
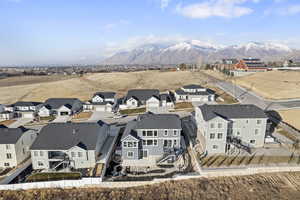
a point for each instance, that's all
(265, 186)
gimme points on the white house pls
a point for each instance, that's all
(6, 115)
(14, 145)
(25, 109)
(194, 93)
(101, 101)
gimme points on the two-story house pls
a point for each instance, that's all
(194, 93)
(101, 101)
(25, 109)
(223, 126)
(160, 104)
(69, 145)
(150, 139)
(14, 145)
(60, 107)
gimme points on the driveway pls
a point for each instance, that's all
(61, 119)
(20, 122)
(98, 115)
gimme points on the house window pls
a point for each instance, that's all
(7, 146)
(175, 142)
(166, 133)
(258, 122)
(252, 141)
(212, 125)
(130, 154)
(256, 131)
(79, 154)
(40, 164)
(247, 121)
(35, 153)
(144, 142)
(134, 144)
(144, 133)
(215, 146)
(167, 143)
(23, 151)
(155, 133)
(219, 125)
(175, 132)
(212, 136)
(8, 156)
(130, 144)
(155, 142)
(124, 144)
(73, 154)
(238, 133)
(149, 142)
(149, 133)
(220, 135)
(41, 153)
(6, 164)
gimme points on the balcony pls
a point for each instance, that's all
(57, 155)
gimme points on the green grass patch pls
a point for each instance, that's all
(132, 111)
(53, 176)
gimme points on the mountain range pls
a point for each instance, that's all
(195, 51)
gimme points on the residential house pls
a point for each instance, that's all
(160, 104)
(74, 145)
(194, 93)
(151, 139)
(137, 98)
(14, 145)
(101, 101)
(60, 107)
(25, 109)
(6, 115)
(221, 127)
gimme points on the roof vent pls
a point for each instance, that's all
(74, 131)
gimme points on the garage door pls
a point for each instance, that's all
(100, 108)
(27, 115)
(196, 99)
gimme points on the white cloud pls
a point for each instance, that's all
(164, 4)
(216, 8)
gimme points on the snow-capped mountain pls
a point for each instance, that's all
(195, 51)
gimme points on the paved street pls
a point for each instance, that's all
(248, 97)
(20, 122)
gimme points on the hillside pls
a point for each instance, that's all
(84, 87)
(275, 85)
(263, 187)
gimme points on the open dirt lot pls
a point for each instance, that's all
(264, 187)
(273, 85)
(291, 117)
(84, 87)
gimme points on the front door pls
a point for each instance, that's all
(145, 153)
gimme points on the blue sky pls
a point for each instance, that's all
(85, 31)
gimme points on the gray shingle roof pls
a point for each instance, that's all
(204, 93)
(63, 136)
(192, 86)
(26, 103)
(106, 95)
(11, 135)
(141, 94)
(55, 103)
(231, 111)
(152, 121)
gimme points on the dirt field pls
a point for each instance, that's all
(284, 186)
(291, 116)
(273, 85)
(84, 87)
